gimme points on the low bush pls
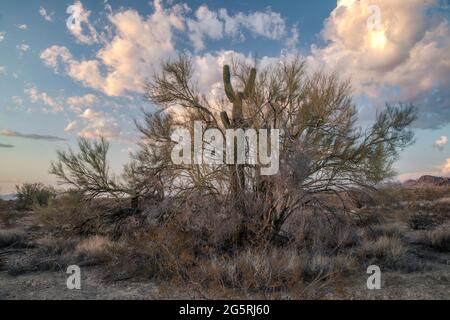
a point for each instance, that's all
(386, 251)
(421, 221)
(438, 238)
(11, 237)
(33, 194)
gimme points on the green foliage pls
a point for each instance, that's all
(88, 170)
(33, 194)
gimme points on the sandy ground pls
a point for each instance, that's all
(434, 283)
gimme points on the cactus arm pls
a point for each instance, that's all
(225, 120)
(250, 85)
(227, 83)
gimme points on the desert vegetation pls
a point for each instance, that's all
(227, 231)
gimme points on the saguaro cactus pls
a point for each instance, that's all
(237, 121)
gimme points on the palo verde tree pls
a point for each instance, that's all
(322, 149)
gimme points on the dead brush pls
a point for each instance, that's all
(438, 238)
(388, 230)
(264, 273)
(12, 238)
(63, 214)
(388, 251)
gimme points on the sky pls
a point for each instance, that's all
(60, 80)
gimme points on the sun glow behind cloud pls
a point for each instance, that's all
(378, 39)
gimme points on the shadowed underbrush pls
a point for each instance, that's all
(196, 250)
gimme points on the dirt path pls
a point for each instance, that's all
(52, 286)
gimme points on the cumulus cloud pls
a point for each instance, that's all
(2, 36)
(76, 103)
(43, 97)
(2, 145)
(404, 56)
(99, 124)
(17, 101)
(132, 55)
(22, 26)
(47, 16)
(217, 24)
(72, 126)
(53, 55)
(441, 142)
(138, 44)
(9, 133)
(23, 48)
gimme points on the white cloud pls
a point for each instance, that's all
(22, 26)
(99, 124)
(405, 59)
(23, 48)
(217, 24)
(76, 103)
(43, 97)
(130, 57)
(206, 24)
(2, 36)
(293, 40)
(138, 44)
(47, 16)
(17, 101)
(78, 30)
(55, 54)
(72, 126)
(2, 70)
(441, 142)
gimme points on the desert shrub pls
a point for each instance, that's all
(337, 232)
(65, 213)
(421, 221)
(93, 250)
(11, 237)
(388, 251)
(264, 273)
(33, 194)
(365, 218)
(438, 238)
(388, 230)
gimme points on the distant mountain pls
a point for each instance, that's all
(428, 181)
(7, 197)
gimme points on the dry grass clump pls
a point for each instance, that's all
(388, 251)
(93, 250)
(393, 230)
(438, 238)
(12, 238)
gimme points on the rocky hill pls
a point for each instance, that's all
(428, 181)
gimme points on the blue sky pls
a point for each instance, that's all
(57, 84)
